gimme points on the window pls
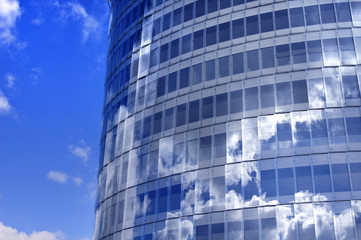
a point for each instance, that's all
(343, 12)
(252, 60)
(350, 87)
(220, 147)
(224, 32)
(188, 12)
(186, 43)
(221, 104)
(205, 149)
(268, 182)
(356, 11)
(236, 101)
(285, 177)
(267, 22)
(296, 15)
(327, 13)
(174, 48)
(211, 35)
(198, 40)
(340, 177)
(177, 14)
(210, 70)
(267, 57)
(166, 22)
(156, 26)
(330, 52)
(238, 65)
(154, 57)
(184, 78)
(316, 93)
(322, 178)
(304, 179)
(207, 107)
(181, 115)
(223, 64)
(267, 96)
(314, 51)
(200, 8)
(312, 15)
(281, 19)
(193, 111)
(157, 128)
(147, 126)
(283, 94)
(299, 92)
(252, 25)
(283, 54)
(211, 6)
(225, 4)
(251, 95)
(299, 52)
(197, 73)
(172, 82)
(237, 28)
(164, 53)
(169, 116)
(355, 169)
(347, 50)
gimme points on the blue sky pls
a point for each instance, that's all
(52, 69)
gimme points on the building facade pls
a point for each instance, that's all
(231, 119)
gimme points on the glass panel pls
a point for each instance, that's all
(220, 147)
(177, 17)
(312, 15)
(174, 46)
(316, 93)
(268, 57)
(184, 78)
(322, 178)
(330, 52)
(166, 21)
(251, 95)
(296, 15)
(188, 12)
(267, 22)
(283, 55)
(283, 94)
(186, 43)
(198, 40)
(353, 127)
(193, 111)
(343, 12)
(161, 87)
(281, 19)
(237, 28)
(221, 104)
(164, 53)
(181, 115)
(285, 181)
(347, 50)
(224, 29)
(236, 101)
(252, 25)
(238, 65)
(268, 183)
(314, 50)
(207, 107)
(197, 73)
(211, 6)
(350, 87)
(172, 82)
(356, 11)
(157, 123)
(304, 179)
(225, 4)
(252, 60)
(211, 36)
(267, 96)
(327, 13)
(299, 52)
(223, 64)
(340, 177)
(299, 92)
(355, 169)
(200, 8)
(210, 70)
(169, 119)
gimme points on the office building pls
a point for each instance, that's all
(231, 119)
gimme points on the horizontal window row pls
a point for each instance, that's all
(306, 132)
(309, 221)
(266, 22)
(323, 177)
(332, 52)
(330, 91)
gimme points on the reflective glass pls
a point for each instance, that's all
(304, 179)
(340, 177)
(283, 94)
(350, 87)
(210, 70)
(174, 48)
(221, 104)
(193, 111)
(223, 64)
(281, 18)
(251, 95)
(236, 101)
(299, 52)
(314, 50)
(299, 91)
(252, 60)
(266, 22)
(355, 169)
(237, 28)
(172, 82)
(267, 96)
(312, 15)
(200, 8)
(343, 12)
(268, 57)
(297, 17)
(322, 178)
(198, 40)
(268, 183)
(330, 52)
(224, 31)
(283, 54)
(166, 21)
(188, 12)
(207, 107)
(211, 36)
(186, 43)
(327, 13)
(356, 10)
(177, 14)
(211, 6)
(197, 73)
(181, 115)
(238, 65)
(252, 25)
(348, 54)
(164, 53)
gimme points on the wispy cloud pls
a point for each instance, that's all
(56, 176)
(78, 181)
(75, 11)
(7, 232)
(10, 79)
(5, 106)
(81, 151)
(36, 73)
(9, 13)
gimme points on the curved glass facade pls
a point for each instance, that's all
(231, 119)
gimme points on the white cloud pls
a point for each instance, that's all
(5, 106)
(9, 12)
(82, 152)
(77, 181)
(9, 233)
(36, 73)
(10, 79)
(57, 176)
(75, 11)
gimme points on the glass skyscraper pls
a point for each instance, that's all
(231, 119)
